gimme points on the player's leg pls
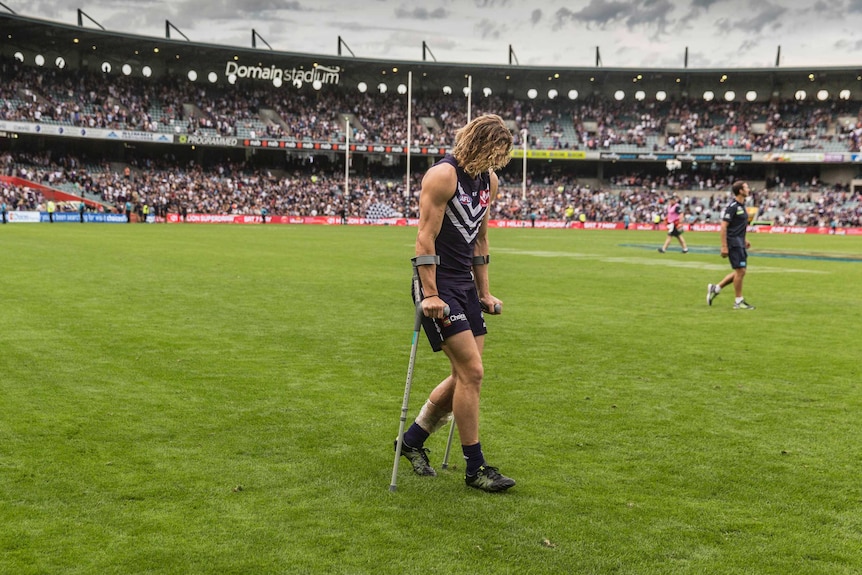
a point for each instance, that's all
(412, 441)
(434, 414)
(441, 396)
(436, 411)
(465, 353)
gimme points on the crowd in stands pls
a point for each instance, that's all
(176, 105)
(20, 198)
(236, 188)
(645, 199)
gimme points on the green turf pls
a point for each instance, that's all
(223, 399)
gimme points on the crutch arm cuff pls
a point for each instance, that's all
(481, 260)
(431, 260)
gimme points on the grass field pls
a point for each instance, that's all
(223, 400)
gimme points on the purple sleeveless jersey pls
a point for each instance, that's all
(464, 214)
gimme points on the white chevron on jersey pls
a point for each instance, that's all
(465, 218)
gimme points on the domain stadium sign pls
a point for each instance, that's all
(280, 76)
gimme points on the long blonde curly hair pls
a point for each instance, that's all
(482, 145)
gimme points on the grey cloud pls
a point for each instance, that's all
(561, 18)
(653, 13)
(225, 9)
(490, 29)
(748, 45)
(845, 44)
(634, 13)
(698, 7)
(599, 12)
(146, 21)
(47, 9)
(59, 10)
(536, 17)
(422, 13)
(492, 3)
(821, 10)
(768, 18)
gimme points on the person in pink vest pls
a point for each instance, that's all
(674, 225)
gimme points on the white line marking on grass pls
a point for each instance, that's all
(655, 261)
(546, 254)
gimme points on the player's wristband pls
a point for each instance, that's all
(426, 296)
(481, 260)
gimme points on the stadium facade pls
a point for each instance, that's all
(80, 49)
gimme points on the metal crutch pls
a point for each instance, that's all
(417, 326)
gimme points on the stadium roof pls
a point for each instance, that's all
(88, 48)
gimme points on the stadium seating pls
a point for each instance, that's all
(240, 189)
(174, 106)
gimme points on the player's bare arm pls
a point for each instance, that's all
(438, 185)
(481, 248)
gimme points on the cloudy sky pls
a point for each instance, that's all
(628, 33)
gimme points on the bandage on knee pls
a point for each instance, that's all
(431, 418)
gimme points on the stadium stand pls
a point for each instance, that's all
(801, 154)
(236, 188)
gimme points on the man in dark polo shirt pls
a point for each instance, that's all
(734, 246)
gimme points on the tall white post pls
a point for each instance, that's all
(469, 98)
(524, 136)
(409, 130)
(346, 158)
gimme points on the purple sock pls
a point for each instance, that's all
(474, 457)
(415, 436)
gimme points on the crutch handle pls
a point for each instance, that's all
(419, 315)
(486, 309)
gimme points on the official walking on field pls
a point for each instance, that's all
(734, 246)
